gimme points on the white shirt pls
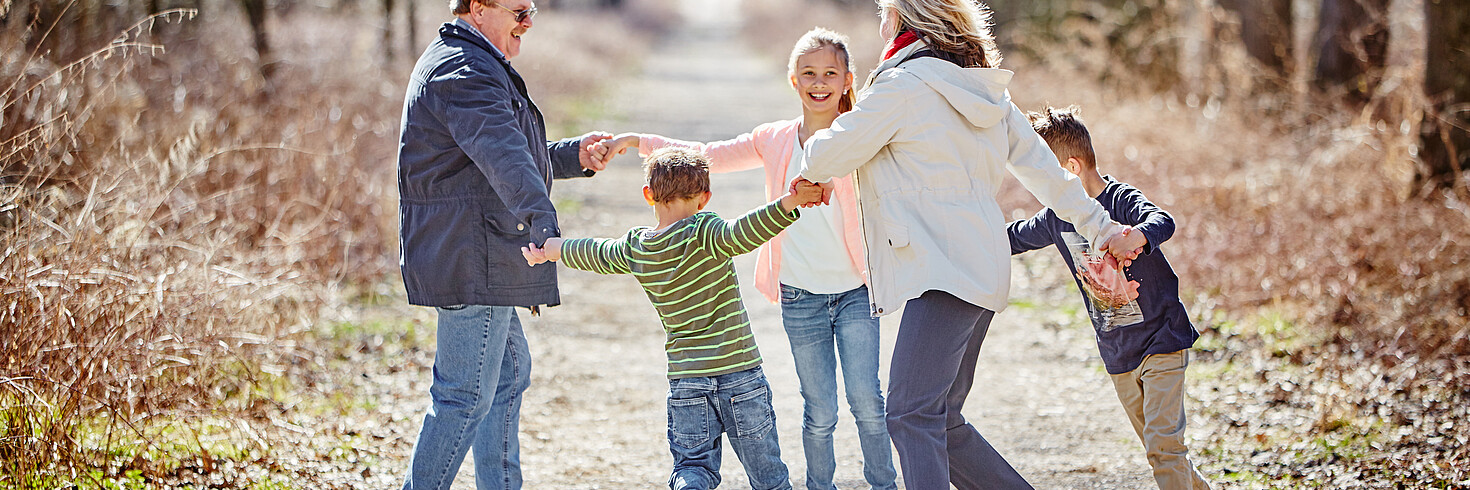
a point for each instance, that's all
(813, 256)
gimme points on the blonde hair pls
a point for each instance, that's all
(959, 30)
(819, 38)
(1064, 133)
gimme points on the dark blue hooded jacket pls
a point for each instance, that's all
(474, 179)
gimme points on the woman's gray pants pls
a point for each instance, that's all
(932, 369)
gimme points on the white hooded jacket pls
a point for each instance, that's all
(927, 142)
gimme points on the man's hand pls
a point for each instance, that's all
(584, 151)
(1123, 247)
(538, 255)
(605, 150)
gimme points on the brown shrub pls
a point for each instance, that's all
(172, 225)
(1305, 210)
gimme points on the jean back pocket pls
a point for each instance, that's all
(753, 414)
(689, 421)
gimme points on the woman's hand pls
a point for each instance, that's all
(827, 188)
(1122, 248)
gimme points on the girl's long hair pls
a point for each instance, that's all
(819, 38)
(958, 30)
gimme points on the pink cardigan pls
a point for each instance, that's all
(771, 145)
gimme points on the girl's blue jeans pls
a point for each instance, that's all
(481, 368)
(823, 328)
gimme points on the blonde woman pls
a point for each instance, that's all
(928, 143)
(816, 267)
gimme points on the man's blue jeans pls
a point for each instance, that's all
(823, 328)
(737, 405)
(481, 368)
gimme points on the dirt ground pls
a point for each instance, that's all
(594, 416)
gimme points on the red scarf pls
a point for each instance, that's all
(903, 40)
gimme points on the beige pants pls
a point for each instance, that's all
(1153, 396)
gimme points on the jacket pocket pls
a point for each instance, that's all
(896, 233)
(504, 234)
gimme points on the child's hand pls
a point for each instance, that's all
(826, 187)
(538, 255)
(605, 150)
(584, 150)
(1123, 247)
(803, 193)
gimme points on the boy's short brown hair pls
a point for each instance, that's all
(1064, 133)
(676, 173)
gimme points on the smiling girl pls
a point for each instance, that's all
(816, 268)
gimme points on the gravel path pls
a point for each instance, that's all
(594, 416)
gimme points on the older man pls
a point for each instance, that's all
(474, 176)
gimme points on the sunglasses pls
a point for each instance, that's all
(522, 14)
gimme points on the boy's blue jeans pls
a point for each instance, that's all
(823, 328)
(481, 368)
(736, 404)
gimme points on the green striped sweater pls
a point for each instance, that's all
(688, 274)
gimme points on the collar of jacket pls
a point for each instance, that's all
(898, 58)
(452, 29)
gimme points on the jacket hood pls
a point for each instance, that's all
(979, 94)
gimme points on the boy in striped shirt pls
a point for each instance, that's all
(684, 265)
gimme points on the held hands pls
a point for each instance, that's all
(584, 151)
(1123, 247)
(826, 191)
(803, 193)
(606, 149)
(538, 255)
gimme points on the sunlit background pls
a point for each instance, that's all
(193, 192)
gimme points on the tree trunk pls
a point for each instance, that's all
(1266, 30)
(410, 9)
(388, 32)
(1352, 44)
(1446, 131)
(255, 13)
(1004, 14)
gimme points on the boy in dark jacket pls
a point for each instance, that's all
(1143, 332)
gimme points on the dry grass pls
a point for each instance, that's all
(173, 225)
(1332, 294)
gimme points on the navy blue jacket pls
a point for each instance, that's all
(1165, 327)
(474, 179)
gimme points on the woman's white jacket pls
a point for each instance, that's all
(928, 143)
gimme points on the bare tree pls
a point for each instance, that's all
(411, 9)
(1351, 44)
(1266, 30)
(255, 14)
(388, 29)
(1446, 130)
